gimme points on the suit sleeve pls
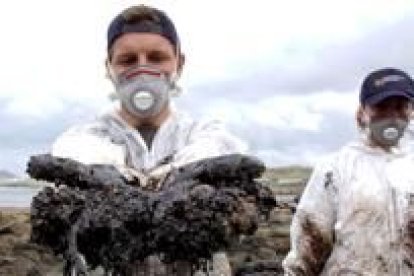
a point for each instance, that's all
(82, 145)
(312, 229)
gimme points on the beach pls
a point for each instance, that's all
(19, 257)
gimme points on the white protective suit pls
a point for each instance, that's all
(356, 216)
(180, 140)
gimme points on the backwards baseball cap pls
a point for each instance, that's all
(385, 83)
(142, 19)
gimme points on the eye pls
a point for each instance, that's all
(158, 57)
(126, 59)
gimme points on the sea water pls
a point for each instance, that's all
(17, 196)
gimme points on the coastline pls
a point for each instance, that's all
(13, 210)
(19, 257)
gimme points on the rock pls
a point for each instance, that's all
(201, 209)
(261, 268)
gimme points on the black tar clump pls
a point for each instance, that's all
(261, 268)
(201, 208)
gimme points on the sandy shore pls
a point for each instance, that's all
(14, 209)
(19, 257)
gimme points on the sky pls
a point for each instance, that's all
(282, 75)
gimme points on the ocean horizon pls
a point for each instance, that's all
(19, 196)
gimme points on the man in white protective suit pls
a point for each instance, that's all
(356, 215)
(146, 136)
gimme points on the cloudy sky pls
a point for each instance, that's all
(283, 75)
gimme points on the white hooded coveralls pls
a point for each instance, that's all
(179, 140)
(356, 216)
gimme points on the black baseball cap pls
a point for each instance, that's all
(385, 83)
(142, 19)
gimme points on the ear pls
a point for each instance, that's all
(181, 62)
(359, 116)
(411, 111)
(108, 74)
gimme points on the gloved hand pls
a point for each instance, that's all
(151, 179)
(134, 176)
(157, 176)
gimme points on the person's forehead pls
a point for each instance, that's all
(140, 42)
(394, 101)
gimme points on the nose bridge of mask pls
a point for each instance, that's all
(149, 74)
(139, 71)
(144, 71)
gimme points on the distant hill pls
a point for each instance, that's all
(6, 175)
(287, 182)
(288, 172)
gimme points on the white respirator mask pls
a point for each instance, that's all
(386, 132)
(144, 91)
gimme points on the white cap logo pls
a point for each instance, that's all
(390, 78)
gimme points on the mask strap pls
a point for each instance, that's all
(175, 89)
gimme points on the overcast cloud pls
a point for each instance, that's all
(284, 76)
